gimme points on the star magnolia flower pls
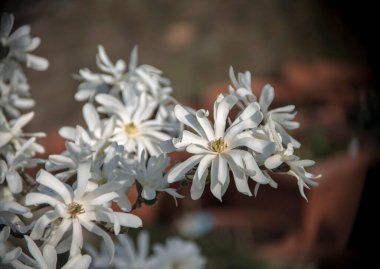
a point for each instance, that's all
(10, 210)
(283, 116)
(97, 133)
(220, 148)
(129, 257)
(95, 83)
(283, 161)
(83, 206)
(14, 95)
(135, 129)
(11, 132)
(13, 163)
(47, 259)
(149, 174)
(18, 44)
(177, 254)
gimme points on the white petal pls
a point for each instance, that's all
(50, 181)
(22, 121)
(178, 172)
(41, 224)
(36, 253)
(14, 181)
(11, 255)
(266, 97)
(50, 256)
(129, 220)
(68, 133)
(78, 262)
(93, 228)
(222, 111)
(273, 161)
(60, 232)
(205, 124)
(36, 62)
(77, 240)
(148, 193)
(184, 116)
(35, 198)
(216, 187)
(82, 178)
(223, 172)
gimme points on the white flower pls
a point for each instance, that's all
(136, 128)
(14, 163)
(95, 83)
(16, 46)
(47, 259)
(220, 148)
(177, 254)
(11, 132)
(284, 161)
(97, 133)
(14, 96)
(74, 208)
(129, 257)
(7, 256)
(107, 169)
(283, 116)
(149, 174)
(10, 210)
(69, 160)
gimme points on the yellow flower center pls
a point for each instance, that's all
(101, 181)
(75, 209)
(218, 145)
(131, 129)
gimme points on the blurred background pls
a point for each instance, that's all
(319, 55)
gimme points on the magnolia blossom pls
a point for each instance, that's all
(18, 44)
(130, 257)
(283, 117)
(149, 174)
(77, 208)
(14, 94)
(220, 147)
(14, 162)
(178, 254)
(136, 128)
(11, 211)
(284, 161)
(11, 132)
(97, 133)
(107, 82)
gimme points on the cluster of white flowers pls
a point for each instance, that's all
(175, 253)
(133, 122)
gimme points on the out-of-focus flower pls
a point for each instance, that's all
(16, 46)
(149, 174)
(178, 254)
